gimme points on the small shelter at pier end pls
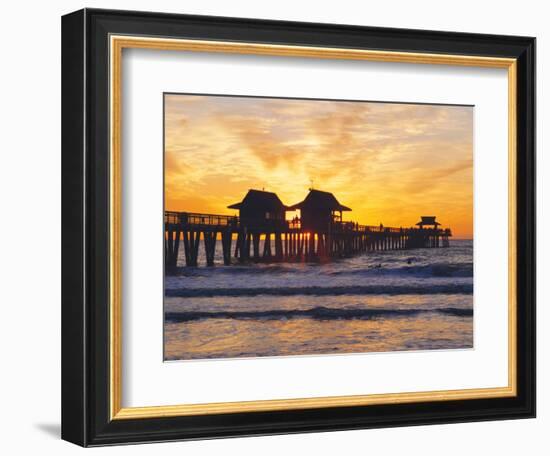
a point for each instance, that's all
(428, 221)
(261, 209)
(318, 210)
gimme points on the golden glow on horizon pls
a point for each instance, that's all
(391, 163)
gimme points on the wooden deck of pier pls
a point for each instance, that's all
(282, 240)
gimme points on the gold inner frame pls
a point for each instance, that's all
(117, 44)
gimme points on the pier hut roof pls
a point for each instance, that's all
(260, 200)
(318, 199)
(428, 220)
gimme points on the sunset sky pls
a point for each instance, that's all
(391, 163)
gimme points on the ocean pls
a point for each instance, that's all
(397, 300)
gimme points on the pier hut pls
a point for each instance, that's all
(428, 221)
(428, 233)
(260, 209)
(319, 210)
(260, 213)
(321, 220)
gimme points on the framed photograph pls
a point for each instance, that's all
(278, 227)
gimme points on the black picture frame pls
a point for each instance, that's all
(85, 225)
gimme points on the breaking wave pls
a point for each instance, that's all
(434, 270)
(316, 313)
(461, 288)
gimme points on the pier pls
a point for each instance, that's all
(271, 238)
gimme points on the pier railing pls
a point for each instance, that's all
(233, 221)
(190, 218)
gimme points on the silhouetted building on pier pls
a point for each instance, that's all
(260, 209)
(319, 210)
(428, 221)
